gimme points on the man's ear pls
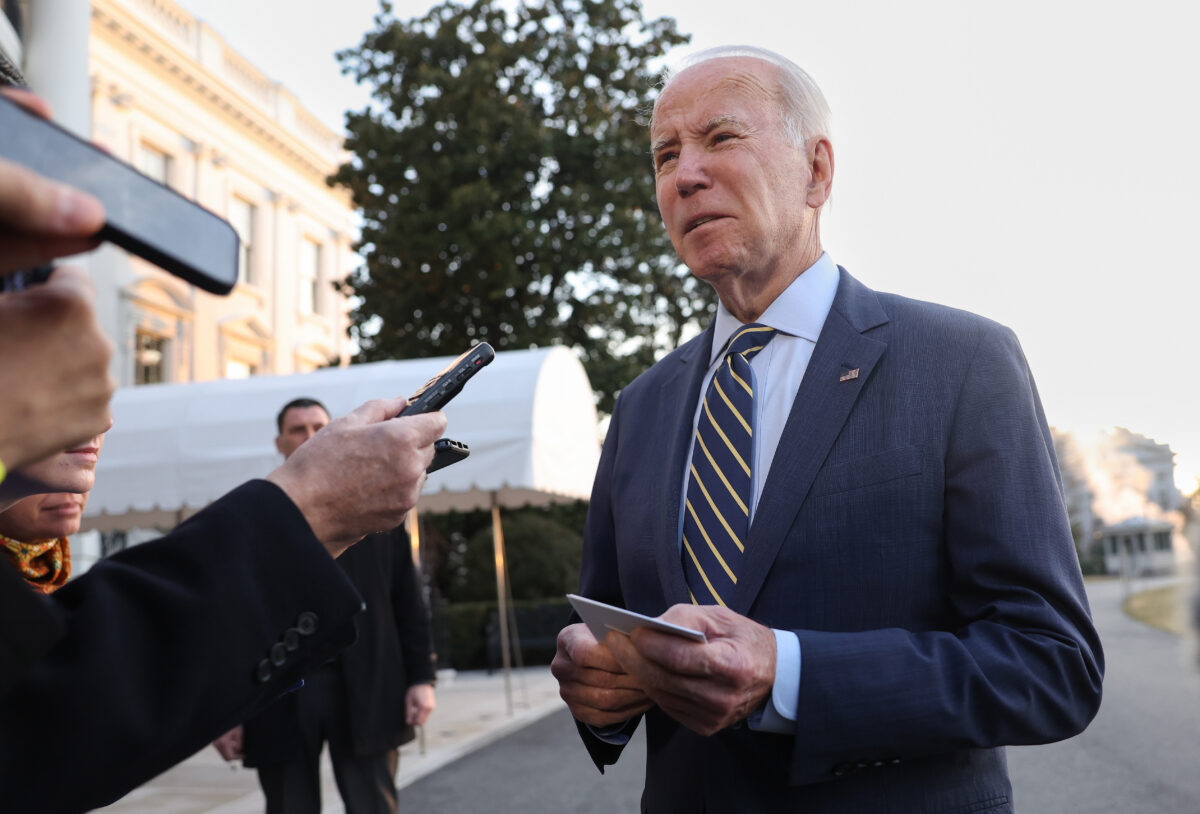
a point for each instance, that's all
(279, 445)
(820, 165)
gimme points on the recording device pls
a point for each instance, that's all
(447, 451)
(143, 216)
(446, 384)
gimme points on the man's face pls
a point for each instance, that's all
(299, 424)
(43, 517)
(70, 471)
(732, 189)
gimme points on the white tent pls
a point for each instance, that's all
(529, 418)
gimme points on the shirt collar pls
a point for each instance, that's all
(800, 310)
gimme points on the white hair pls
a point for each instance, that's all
(803, 108)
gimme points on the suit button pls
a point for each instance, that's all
(278, 654)
(841, 770)
(291, 639)
(306, 623)
(263, 672)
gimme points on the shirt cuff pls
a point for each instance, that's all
(613, 734)
(779, 713)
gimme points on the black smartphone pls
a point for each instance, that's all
(437, 392)
(142, 216)
(447, 451)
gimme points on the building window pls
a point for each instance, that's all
(238, 369)
(149, 359)
(309, 272)
(154, 163)
(241, 216)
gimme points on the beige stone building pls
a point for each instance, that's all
(163, 91)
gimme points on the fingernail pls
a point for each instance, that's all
(78, 212)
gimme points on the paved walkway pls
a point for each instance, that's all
(472, 712)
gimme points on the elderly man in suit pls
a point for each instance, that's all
(852, 494)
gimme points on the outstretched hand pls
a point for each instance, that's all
(41, 219)
(362, 472)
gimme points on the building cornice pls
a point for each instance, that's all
(200, 60)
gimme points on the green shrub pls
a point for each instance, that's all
(474, 632)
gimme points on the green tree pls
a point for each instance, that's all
(507, 194)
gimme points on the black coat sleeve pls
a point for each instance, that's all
(169, 644)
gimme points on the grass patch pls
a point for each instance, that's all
(1163, 608)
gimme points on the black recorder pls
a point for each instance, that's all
(141, 215)
(446, 384)
(447, 451)
(437, 392)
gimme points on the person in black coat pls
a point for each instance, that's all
(155, 651)
(137, 664)
(365, 702)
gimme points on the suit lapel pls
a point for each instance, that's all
(678, 396)
(823, 403)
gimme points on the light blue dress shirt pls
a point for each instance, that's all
(798, 314)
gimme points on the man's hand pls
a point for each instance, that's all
(419, 702)
(361, 473)
(41, 219)
(54, 379)
(229, 745)
(595, 686)
(704, 686)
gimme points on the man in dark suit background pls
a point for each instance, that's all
(884, 572)
(366, 701)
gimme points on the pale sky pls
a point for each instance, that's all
(1034, 162)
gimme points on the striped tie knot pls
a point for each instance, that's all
(748, 340)
(717, 510)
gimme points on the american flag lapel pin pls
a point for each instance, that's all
(849, 375)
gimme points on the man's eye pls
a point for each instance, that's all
(663, 158)
(722, 137)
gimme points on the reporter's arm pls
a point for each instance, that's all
(169, 644)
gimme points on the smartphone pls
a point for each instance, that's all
(447, 451)
(437, 392)
(142, 216)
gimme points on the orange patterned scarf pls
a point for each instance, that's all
(45, 564)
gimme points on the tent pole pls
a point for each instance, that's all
(502, 596)
(412, 525)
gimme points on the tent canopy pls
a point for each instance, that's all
(529, 419)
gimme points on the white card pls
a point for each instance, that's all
(601, 618)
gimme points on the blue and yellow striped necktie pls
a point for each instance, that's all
(716, 517)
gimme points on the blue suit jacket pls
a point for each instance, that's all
(911, 532)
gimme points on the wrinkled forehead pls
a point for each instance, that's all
(726, 87)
